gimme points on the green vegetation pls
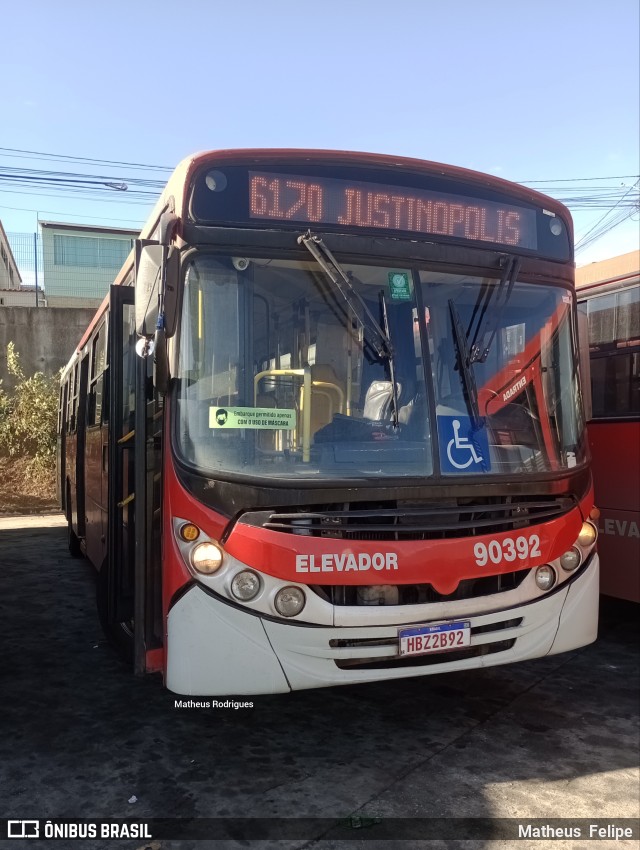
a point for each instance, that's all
(28, 419)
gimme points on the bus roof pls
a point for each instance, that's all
(175, 193)
(178, 183)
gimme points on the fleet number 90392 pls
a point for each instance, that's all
(509, 550)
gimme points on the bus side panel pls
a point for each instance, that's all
(81, 437)
(95, 539)
(61, 447)
(71, 501)
(615, 450)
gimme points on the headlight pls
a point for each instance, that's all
(245, 585)
(289, 601)
(588, 535)
(206, 558)
(545, 577)
(571, 560)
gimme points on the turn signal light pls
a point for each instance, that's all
(588, 535)
(189, 532)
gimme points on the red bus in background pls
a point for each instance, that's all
(609, 295)
(327, 427)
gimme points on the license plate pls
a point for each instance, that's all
(440, 637)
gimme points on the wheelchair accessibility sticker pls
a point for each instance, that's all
(461, 448)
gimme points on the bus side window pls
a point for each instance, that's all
(94, 410)
(105, 376)
(63, 412)
(74, 400)
(614, 342)
(60, 410)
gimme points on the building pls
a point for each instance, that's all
(80, 262)
(9, 275)
(617, 269)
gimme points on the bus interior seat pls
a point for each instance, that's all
(378, 402)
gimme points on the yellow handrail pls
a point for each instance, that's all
(305, 409)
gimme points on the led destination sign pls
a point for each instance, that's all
(320, 200)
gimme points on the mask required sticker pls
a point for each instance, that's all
(252, 417)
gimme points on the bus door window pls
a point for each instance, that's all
(124, 433)
(560, 383)
(209, 357)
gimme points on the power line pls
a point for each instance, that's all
(617, 201)
(139, 221)
(53, 156)
(576, 179)
(67, 181)
(599, 229)
(83, 195)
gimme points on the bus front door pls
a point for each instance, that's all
(116, 581)
(129, 587)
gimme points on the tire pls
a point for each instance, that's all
(119, 635)
(73, 541)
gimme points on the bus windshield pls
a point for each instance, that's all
(280, 375)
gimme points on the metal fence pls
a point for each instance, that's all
(27, 252)
(66, 267)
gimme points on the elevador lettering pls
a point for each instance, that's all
(346, 562)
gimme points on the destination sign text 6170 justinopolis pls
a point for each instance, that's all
(321, 200)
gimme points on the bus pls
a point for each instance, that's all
(609, 297)
(327, 427)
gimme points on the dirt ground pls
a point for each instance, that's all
(22, 491)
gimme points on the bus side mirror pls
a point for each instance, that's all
(585, 364)
(157, 268)
(149, 267)
(170, 301)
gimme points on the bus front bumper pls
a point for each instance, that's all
(216, 649)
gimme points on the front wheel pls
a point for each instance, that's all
(73, 542)
(119, 634)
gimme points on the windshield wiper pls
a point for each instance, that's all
(480, 351)
(392, 371)
(464, 364)
(381, 341)
(314, 244)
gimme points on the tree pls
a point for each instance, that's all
(28, 415)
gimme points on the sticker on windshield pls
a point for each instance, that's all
(251, 417)
(513, 338)
(400, 286)
(461, 448)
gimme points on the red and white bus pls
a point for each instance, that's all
(610, 297)
(327, 427)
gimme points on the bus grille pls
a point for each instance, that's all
(405, 520)
(398, 662)
(419, 594)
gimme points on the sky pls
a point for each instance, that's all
(543, 91)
